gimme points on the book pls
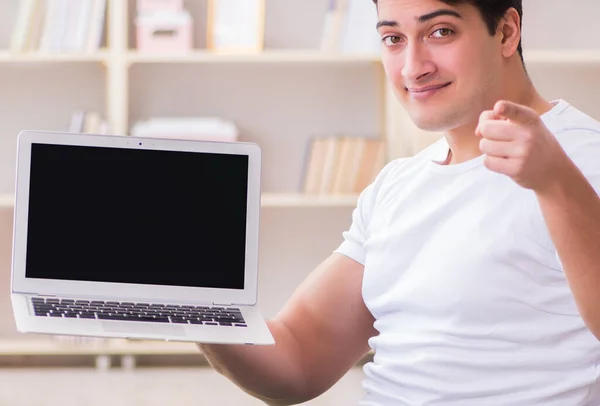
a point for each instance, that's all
(332, 27)
(342, 165)
(53, 26)
(314, 165)
(18, 39)
(371, 162)
(350, 27)
(360, 33)
(77, 122)
(97, 26)
(35, 26)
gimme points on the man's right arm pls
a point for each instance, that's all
(321, 332)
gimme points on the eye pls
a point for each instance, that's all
(442, 33)
(391, 40)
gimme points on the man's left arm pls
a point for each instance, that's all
(571, 209)
(518, 144)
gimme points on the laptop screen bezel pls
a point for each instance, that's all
(124, 291)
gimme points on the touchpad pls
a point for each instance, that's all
(143, 328)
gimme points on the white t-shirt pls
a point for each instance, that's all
(468, 293)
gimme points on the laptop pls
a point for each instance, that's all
(127, 237)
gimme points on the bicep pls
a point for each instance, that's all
(329, 321)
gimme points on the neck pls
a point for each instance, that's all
(464, 144)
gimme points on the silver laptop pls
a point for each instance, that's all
(137, 238)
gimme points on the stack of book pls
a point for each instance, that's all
(342, 165)
(53, 26)
(90, 122)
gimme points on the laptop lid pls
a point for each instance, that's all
(136, 219)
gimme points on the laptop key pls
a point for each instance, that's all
(111, 317)
(240, 325)
(225, 319)
(153, 319)
(178, 320)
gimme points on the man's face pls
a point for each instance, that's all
(444, 66)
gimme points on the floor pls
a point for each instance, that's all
(145, 387)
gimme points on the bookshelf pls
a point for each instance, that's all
(102, 351)
(280, 98)
(266, 57)
(10, 57)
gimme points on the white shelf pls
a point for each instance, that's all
(97, 346)
(275, 56)
(563, 57)
(268, 200)
(50, 346)
(9, 57)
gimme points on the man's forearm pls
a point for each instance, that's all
(270, 373)
(571, 209)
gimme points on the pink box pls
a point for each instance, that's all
(152, 6)
(168, 32)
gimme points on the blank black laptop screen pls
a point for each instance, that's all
(137, 216)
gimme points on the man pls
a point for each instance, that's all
(472, 269)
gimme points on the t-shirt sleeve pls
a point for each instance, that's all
(355, 237)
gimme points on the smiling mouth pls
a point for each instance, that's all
(429, 88)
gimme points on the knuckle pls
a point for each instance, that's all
(484, 145)
(485, 115)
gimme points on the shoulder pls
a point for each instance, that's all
(574, 129)
(579, 136)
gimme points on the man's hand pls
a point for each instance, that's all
(518, 144)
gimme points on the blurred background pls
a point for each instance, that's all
(300, 78)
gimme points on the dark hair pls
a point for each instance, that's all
(492, 11)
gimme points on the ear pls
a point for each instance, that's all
(510, 31)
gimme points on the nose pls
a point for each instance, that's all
(417, 64)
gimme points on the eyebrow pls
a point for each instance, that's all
(423, 18)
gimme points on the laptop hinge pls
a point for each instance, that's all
(221, 304)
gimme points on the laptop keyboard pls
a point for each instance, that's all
(143, 312)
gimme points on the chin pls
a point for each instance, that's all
(433, 123)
